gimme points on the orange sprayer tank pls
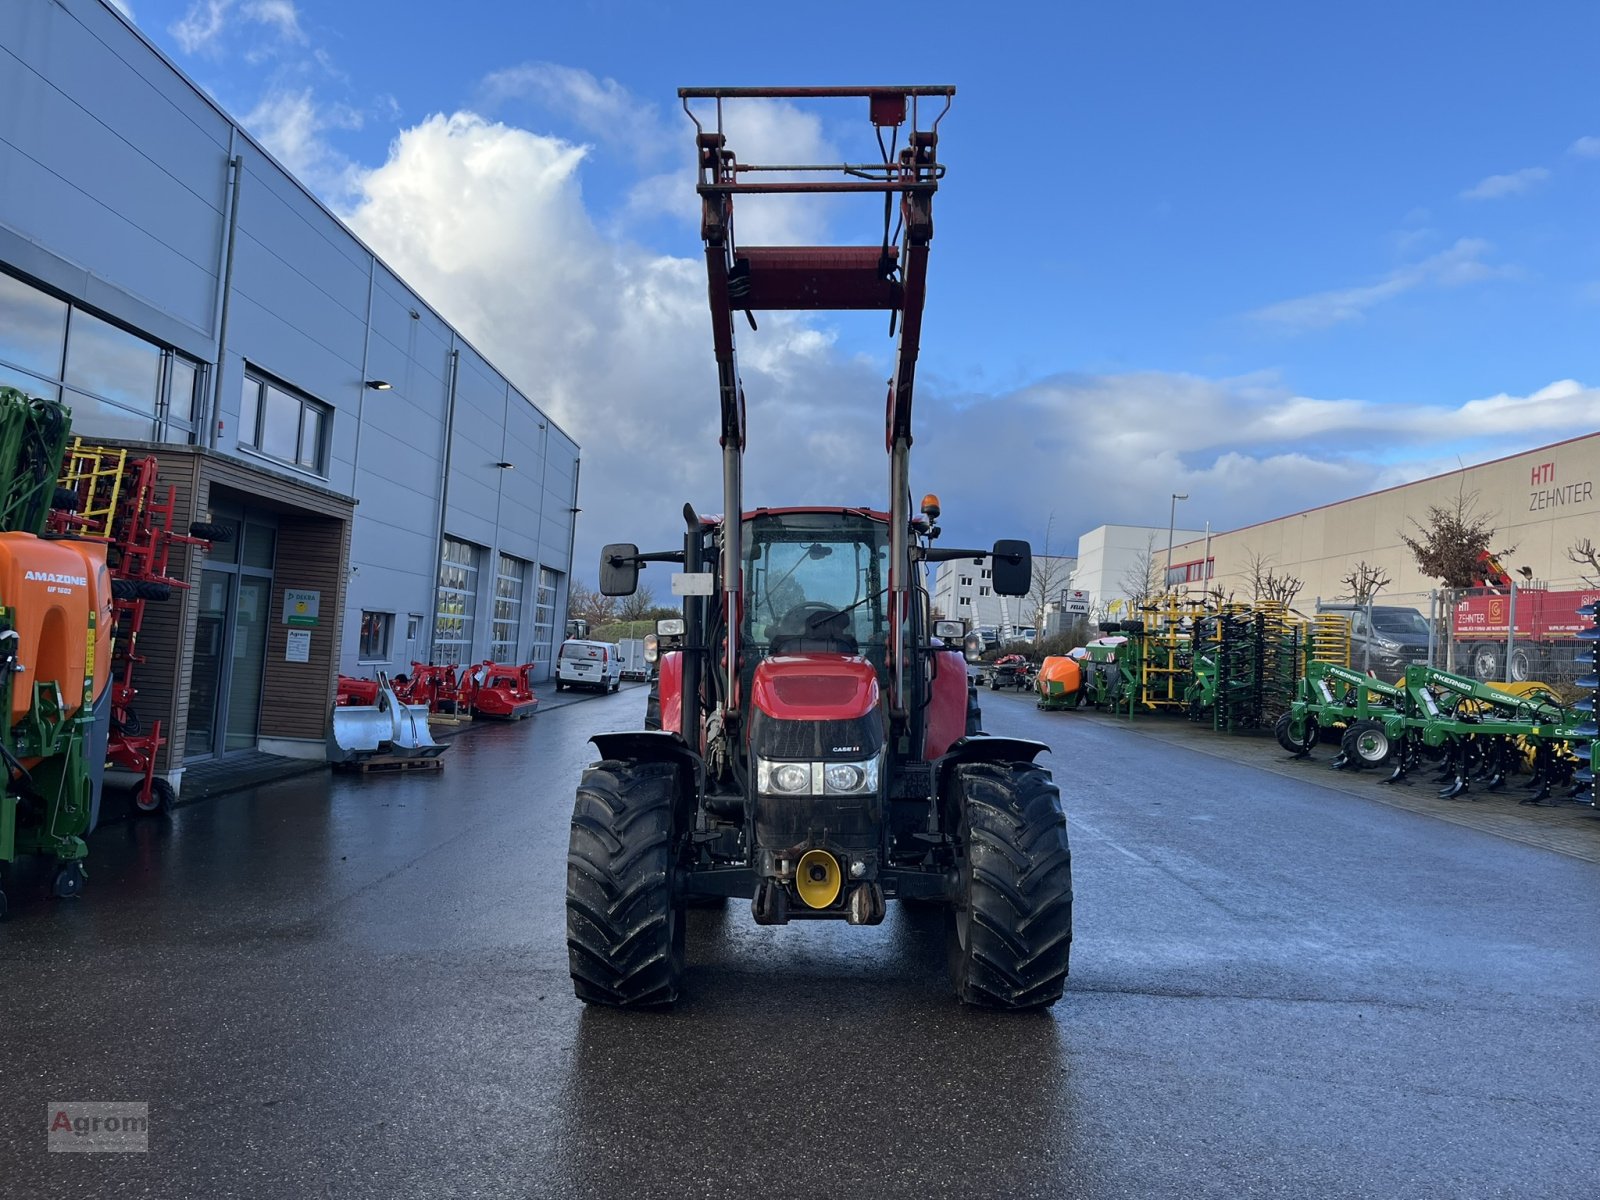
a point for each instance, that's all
(52, 589)
(1060, 671)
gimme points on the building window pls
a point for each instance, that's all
(112, 364)
(377, 633)
(986, 572)
(1190, 572)
(181, 398)
(508, 579)
(966, 581)
(983, 591)
(283, 424)
(116, 382)
(544, 614)
(457, 603)
(33, 330)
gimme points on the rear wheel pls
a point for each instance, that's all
(1485, 662)
(161, 798)
(1366, 744)
(624, 926)
(1010, 931)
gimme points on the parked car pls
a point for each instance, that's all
(589, 664)
(1394, 638)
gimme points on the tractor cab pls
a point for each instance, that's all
(816, 582)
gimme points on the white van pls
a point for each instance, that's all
(589, 664)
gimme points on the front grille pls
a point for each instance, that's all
(773, 738)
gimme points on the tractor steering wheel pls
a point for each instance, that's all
(805, 620)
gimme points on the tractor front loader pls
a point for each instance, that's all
(813, 743)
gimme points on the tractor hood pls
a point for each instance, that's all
(815, 687)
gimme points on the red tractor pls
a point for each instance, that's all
(816, 748)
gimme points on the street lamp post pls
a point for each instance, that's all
(1172, 517)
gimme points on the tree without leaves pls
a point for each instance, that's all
(1049, 577)
(1365, 581)
(1266, 583)
(1584, 553)
(591, 606)
(637, 606)
(1142, 579)
(1451, 544)
(579, 598)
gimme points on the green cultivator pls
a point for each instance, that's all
(1467, 730)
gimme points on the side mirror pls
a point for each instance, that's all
(948, 631)
(1012, 567)
(619, 569)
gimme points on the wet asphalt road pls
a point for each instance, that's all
(357, 987)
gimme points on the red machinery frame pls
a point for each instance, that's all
(119, 502)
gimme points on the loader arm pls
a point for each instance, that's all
(890, 276)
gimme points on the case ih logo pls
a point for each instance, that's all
(52, 577)
(1558, 496)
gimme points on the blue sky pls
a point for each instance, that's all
(1271, 255)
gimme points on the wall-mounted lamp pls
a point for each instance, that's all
(379, 385)
(506, 466)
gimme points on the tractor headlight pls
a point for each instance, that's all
(851, 779)
(817, 778)
(783, 779)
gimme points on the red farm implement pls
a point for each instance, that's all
(493, 689)
(120, 502)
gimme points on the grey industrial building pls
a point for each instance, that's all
(394, 496)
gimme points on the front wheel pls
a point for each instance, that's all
(625, 928)
(1010, 930)
(1296, 734)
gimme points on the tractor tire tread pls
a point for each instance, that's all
(1019, 888)
(624, 925)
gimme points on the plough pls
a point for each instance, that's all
(1468, 730)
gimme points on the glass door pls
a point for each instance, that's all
(230, 637)
(210, 648)
(253, 595)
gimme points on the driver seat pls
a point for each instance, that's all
(830, 636)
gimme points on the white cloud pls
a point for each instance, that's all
(290, 123)
(205, 23)
(123, 7)
(281, 15)
(1247, 449)
(200, 27)
(601, 108)
(1496, 187)
(1585, 147)
(1462, 263)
